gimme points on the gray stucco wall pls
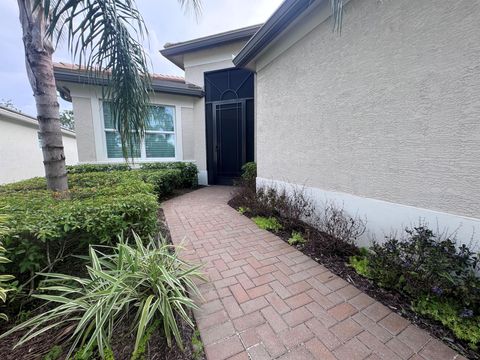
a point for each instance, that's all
(388, 110)
(188, 134)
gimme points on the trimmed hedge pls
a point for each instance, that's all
(102, 204)
(188, 170)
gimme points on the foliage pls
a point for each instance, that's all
(269, 223)
(463, 325)
(142, 347)
(249, 172)
(296, 239)
(424, 262)
(67, 120)
(4, 279)
(86, 168)
(106, 37)
(360, 263)
(188, 170)
(336, 223)
(9, 105)
(242, 210)
(54, 353)
(197, 346)
(149, 280)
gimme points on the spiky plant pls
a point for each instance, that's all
(147, 282)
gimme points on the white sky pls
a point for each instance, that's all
(165, 20)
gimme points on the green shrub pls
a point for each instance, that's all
(296, 239)
(249, 172)
(463, 324)
(269, 223)
(188, 170)
(426, 263)
(102, 205)
(360, 264)
(149, 280)
(4, 279)
(163, 181)
(87, 168)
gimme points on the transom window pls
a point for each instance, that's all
(159, 140)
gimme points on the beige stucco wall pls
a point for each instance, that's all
(87, 108)
(20, 153)
(389, 110)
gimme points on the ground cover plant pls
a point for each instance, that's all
(144, 280)
(424, 277)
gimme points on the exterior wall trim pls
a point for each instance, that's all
(384, 218)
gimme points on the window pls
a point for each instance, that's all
(159, 141)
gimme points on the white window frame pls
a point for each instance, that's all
(143, 150)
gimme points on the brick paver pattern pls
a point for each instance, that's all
(265, 299)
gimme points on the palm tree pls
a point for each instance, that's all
(105, 37)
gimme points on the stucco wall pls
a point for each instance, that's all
(87, 108)
(20, 153)
(388, 110)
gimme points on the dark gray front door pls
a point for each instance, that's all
(229, 114)
(229, 141)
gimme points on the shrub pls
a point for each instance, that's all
(163, 181)
(188, 171)
(296, 239)
(426, 263)
(249, 172)
(43, 230)
(87, 168)
(269, 223)
(149, 279)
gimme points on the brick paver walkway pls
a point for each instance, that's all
(266, 300)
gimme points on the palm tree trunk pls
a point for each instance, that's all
(39, 64)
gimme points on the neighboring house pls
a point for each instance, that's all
(382, 119)
(20, 150)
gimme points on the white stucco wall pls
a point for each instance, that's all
(20, 152)
(388, 111)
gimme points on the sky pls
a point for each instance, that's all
(166, 22)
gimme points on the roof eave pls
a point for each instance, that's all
(175, 52)
(288, 12)
(162, 86)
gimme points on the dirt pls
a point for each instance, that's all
(398, 303)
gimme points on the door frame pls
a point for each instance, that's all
(216, 149)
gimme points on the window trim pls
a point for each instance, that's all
(143, 150)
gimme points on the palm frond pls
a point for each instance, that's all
(105, 38)
(337, 14)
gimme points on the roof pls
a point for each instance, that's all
(174, 52)
(288, 12)
(24, 119)
(169, 84)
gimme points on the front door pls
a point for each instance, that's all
(230, 148)
(229, 112)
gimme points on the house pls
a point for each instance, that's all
(20, 149)
(382, 119)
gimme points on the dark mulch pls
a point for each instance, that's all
(123, 341)
(338, 264)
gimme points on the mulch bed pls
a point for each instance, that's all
(123, 341)
(395, 301)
